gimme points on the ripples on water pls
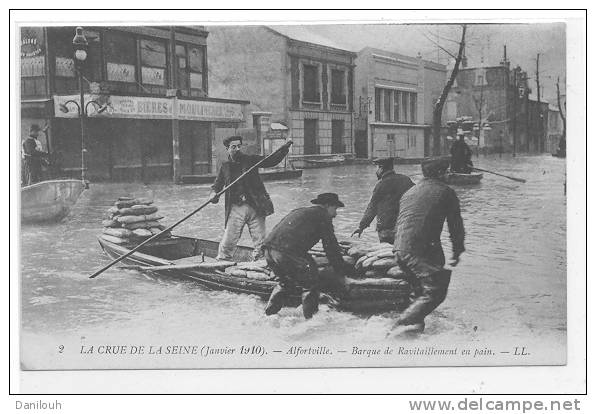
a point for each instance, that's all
(511, 281)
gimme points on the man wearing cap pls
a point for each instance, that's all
(286, 251)
(32, 157)
(384, 203)
(247, 202)
(424, 209)
(461, 155)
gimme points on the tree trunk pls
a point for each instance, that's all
(438, 107)
(561, 113)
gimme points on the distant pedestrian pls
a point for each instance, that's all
(461, 155)
(247, 202)
(384, 203)
(32, 157)
(424, 209)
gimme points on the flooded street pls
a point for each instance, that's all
(510, 286)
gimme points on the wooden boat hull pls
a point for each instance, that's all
(363, 297)
(49, 201)
(463, 179)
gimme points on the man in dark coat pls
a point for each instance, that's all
(286, 251)
(424, 209)
(247, 202)
(32, 157)
(384, 203)
(461, 156)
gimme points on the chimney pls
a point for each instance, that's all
(505, 62)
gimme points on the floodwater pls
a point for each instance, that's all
(509, 288)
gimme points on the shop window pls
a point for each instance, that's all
(310, 88)
(153, 62)
(33, 70)
(338, 92)
(121, 57)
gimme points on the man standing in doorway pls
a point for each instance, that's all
(247, 202)
(418, 250)
(384, 203)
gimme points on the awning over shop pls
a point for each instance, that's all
(36, 108)
(276, 126)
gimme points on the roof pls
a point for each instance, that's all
(410, 59)
(276, 126)
(301, 33)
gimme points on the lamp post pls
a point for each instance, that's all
(79, 46)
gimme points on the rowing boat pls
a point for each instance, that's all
(463, 179)
(49, 201)
(173, 258)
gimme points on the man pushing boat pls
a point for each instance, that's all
(247, 202)
(423, 211)
(286, 251)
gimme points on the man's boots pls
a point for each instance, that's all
(276, 300)
(310, 303)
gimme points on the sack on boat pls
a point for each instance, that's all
(257, 275)
(384, 254)
(257, 266)
(110, 223)
(138, 219)
(321, 261)
(369, 261)
(113, 211)
(132, 202)
(384, 264)
(137, 210)
(141, 225)
(375, 282)
(114, 239)
(396, 273)
(143, 233)
(216, 265)
(349, 260)
(122, 233)
(233, 271)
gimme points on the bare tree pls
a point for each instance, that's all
(438, 107)
(561, 112)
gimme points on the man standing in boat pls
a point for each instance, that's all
(424, 209)
(461, 155)
(384, 203)
(286, 251)
(32, 157)
(247, 202)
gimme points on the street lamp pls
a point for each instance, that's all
(79, 47)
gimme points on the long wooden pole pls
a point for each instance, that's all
(103, 269)
(521, 180)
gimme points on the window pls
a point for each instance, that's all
(378, 93)
(121, 57)
(196, 65)
(387, 105)
(311, 84)
(395, 106)
(182, 69)
(153, 62)
(338, 94)
(413, 107)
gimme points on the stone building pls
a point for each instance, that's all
(394, 98)
(293, 79)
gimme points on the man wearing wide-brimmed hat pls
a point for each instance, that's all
(384, 203)
(423, 211)
(286, 251)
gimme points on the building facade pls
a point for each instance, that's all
(148, 114)
(497, 101)
(291, 81)
(394, 103)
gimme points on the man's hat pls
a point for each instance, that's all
(34, 128)
(434, 167)
(384, 162)
(328, 198)
(227, 141)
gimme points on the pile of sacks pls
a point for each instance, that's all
(375, 260)
(131, 221)
(256, 270)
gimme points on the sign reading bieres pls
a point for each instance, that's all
(150, 108)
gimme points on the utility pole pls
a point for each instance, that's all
(176, 167)
(539, 109)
